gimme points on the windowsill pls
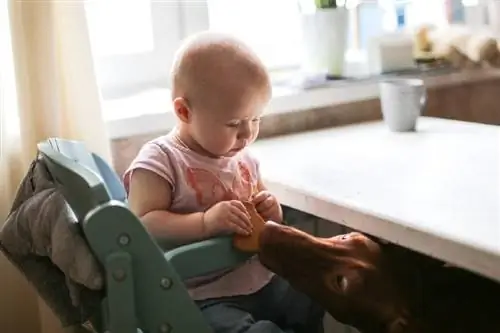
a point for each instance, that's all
(149, 112)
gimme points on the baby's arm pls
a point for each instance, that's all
(149, 198)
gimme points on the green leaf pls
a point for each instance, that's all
(322, 4)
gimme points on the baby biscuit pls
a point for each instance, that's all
(250, 243)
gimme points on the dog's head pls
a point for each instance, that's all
(356, 279)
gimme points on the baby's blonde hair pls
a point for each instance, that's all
(210, 63)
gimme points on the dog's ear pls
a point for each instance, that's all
(398, 325)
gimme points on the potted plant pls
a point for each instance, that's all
(325, 28)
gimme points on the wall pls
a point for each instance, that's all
(475, 100)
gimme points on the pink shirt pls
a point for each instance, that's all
(197, 183)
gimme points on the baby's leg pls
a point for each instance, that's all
(298, 312)
(230, 315)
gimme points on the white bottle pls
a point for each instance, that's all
(494, 17)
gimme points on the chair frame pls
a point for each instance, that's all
(144, 283)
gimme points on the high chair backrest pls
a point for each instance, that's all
(144, 290)
(74, 168)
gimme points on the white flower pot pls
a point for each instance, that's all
(324, 37)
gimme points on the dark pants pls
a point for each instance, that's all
(276, 308)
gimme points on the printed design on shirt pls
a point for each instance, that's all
(247, 187)
(209, 188)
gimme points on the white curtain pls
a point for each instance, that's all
(47, 88)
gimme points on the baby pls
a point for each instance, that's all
(188, 185)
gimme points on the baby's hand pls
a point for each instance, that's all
(267, 206)
(228, 217)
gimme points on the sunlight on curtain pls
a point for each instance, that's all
(48, 88)
(18, 303)
(11, 167)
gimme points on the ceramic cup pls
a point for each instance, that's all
(402, 102)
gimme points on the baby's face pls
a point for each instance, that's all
(229, 123)
(220, 89)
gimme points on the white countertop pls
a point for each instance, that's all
(436, 190)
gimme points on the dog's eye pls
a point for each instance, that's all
(342, 283)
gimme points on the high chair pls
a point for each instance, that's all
(143, 275)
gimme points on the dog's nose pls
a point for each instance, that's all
(272, 223)
(268, 233)
(272, 227)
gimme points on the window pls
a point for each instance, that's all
(425, 12)
(134, 40)
(271, 27)
(118, 33)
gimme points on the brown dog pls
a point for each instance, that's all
(381, 288)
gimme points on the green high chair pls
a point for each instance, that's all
(143, 276)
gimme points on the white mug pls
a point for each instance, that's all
(402, 102)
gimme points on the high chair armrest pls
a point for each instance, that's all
(144, 290)
(204, 257)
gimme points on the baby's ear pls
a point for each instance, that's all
(181, 109)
